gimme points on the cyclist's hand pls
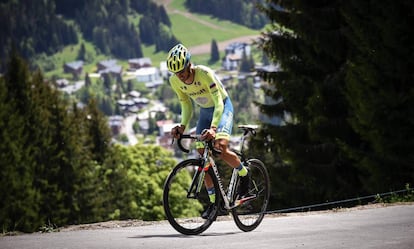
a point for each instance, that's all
(208, 134)
(177, 131)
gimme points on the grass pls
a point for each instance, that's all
(192, 32)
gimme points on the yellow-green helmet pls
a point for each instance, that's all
(178, 58)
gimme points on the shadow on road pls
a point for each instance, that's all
(180, 235)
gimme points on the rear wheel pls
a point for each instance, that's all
(249, 214)
(183, 208)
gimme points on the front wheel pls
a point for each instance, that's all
(249, 214)
(182, 204)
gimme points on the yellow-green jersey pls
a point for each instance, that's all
(206, 90)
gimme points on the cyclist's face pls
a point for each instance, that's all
(184, 74)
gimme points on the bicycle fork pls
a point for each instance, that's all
(197, 182)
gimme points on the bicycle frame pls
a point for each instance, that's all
(208, 161)
(198, 180)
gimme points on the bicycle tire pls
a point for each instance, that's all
(183, 213)
(250, 214)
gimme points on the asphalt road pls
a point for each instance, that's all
(389, 227)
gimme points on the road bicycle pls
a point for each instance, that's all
(185, 196)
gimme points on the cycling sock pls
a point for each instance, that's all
(211, 194)
(242, 170)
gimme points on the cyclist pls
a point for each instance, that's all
(199, 84)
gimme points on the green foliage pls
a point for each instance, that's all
(48, 228)
(109, 28)
(214, 52)
(247, 63)
(406, 195)
(133, 181)
(28, 36)
(343, 97)
(19, 200)
(380, 91)
(103, 23)
(58, 164)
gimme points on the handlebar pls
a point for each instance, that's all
(198, 138)
(247, 129)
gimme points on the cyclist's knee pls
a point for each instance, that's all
(221, 144)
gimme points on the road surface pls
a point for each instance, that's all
(127, 128)
(389, 227)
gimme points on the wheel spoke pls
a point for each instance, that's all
(183, 208)
(249, 214)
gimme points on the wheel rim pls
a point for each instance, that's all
(183, 213)
(249, 214)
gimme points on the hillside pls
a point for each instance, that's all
(204, 48)
(53, 32)
(187, 25)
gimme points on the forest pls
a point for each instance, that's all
(36, 27)
(59, 165)
(344, 93)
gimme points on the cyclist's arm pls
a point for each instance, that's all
(186, 105)
(217, 99)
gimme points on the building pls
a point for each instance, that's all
(231, 62)
(148, 74)
(75, 67)
(238, 48)
(234, 54)
(138, 63)
(109, 67)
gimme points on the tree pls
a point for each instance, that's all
(88, 81)
(19, 199)
(344, 85)
(246, 64)
(50, 153)
(30, 37)
(166, 38)
(164, 16)
(214, 52)
(98, 132)
(133, 179)
(82, 52)
(307, 94)
(380, 92)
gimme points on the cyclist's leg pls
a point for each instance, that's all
(223, 134)
(204, 121)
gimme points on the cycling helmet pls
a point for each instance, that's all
(178, 58)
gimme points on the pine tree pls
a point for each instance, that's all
(380, 91)
(19, 199)
(99, 134)
(19, 196)
(307, 94)
(214, 52)
(82, 52)
(88, 81)
(49, 154)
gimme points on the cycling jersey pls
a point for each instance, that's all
(206, 91)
